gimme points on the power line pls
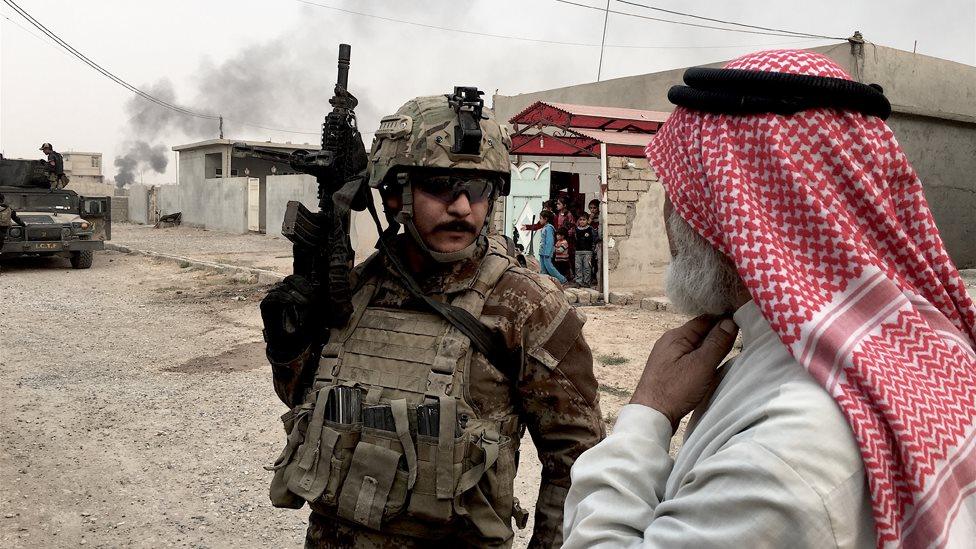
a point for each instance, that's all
(39, 26)
(437, 27)
(540, 40)
(606, 18)
(687, 24)
(118, 80)
(725, 22)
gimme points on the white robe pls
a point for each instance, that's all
(769, 462)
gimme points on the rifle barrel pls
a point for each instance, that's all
(344, 52)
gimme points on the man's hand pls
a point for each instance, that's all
(288, 313)
(681, 368)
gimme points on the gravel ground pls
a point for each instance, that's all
(969, 277)
(138, 409)
(250, 250)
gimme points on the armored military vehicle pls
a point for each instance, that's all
(56, 222)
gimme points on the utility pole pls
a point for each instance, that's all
(606, 15)
(220, 120)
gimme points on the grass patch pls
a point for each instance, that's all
(185, 264)
(612, 360)
(615, 391)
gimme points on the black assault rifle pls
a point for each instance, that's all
(323, 252)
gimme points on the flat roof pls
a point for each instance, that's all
(81, 152)
(266, 144)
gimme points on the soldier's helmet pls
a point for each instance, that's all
(441, 133)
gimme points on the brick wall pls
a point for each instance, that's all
(624, 188)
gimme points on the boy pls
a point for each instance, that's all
(547, 247)
(561, 258)
(585, 240)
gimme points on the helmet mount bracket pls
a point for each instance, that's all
(468, 104)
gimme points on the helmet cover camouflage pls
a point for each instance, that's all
(421, 135)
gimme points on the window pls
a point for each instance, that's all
(95, 161)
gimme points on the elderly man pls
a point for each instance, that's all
(848, 418)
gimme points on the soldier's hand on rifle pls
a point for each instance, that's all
(288, 314)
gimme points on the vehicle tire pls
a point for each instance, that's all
(82, 259)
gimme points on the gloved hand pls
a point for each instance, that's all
(290, 318)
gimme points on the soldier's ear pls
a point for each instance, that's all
(392, 197)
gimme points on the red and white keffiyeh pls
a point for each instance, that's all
(828, 226)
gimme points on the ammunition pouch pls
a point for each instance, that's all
(410, 457)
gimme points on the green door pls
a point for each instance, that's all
(530, 188)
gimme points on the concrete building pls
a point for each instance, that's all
(85, 171)
(220, 191)
(213, 160)
(934, 119)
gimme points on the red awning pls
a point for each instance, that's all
(590, 117)
(561, 129)
(580, 142)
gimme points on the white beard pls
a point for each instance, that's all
(700, 279)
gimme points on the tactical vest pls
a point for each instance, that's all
(397, 480)
(6, 216)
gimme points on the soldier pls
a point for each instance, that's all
(8, 217)
(428, 459)
(55, 167)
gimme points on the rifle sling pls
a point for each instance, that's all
(485, 341)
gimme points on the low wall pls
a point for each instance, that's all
(219, 204)
(227, 205)
(303, 188)
(281, 189)
(84, 187)
(120, 209)
(168, 199)
(139, 203)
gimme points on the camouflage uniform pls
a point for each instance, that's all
(385, 482)
(55, 167)
(555, 395)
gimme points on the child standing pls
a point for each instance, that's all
(585, 241)
(594, 207)
(561, 258)
(547, 247)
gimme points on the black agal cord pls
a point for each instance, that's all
(737, 91)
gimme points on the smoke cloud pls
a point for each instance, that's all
(285, 83)
(140, 157)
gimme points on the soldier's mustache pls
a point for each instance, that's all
(457, 226)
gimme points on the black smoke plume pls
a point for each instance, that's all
(140, 157)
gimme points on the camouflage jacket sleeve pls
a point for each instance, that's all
(560, 403)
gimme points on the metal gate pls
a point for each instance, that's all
(530, 188)
(254, 204)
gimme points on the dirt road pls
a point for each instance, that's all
(137, 409)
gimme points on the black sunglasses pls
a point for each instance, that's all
(447, 188)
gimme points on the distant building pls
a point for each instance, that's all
(85, 171)
(214, 159)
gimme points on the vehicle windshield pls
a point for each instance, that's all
(54, 202)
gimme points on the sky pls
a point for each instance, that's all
(272, 63)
